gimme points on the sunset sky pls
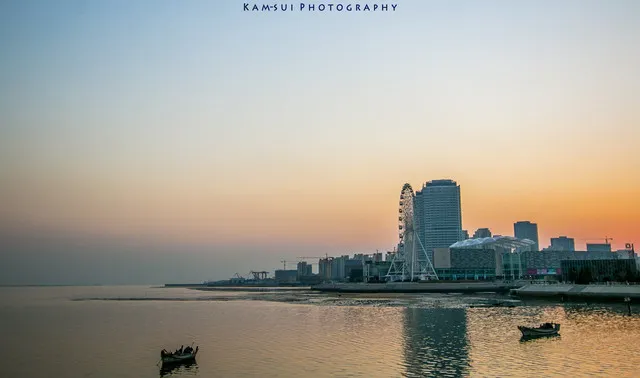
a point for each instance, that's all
(153, 141)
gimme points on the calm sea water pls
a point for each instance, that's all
(119, 331)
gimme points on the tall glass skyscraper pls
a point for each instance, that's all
(438, 215)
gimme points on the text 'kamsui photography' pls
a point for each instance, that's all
(319, 7)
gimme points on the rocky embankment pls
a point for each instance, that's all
(617, 292)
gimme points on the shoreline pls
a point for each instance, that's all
(570, 292)
(519, 289)
(415, 287)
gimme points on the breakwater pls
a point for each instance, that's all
(185, 285)
(564, 292)
(252, 288)
(418, 287)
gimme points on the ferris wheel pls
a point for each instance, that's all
(411, 262)
(405, 214)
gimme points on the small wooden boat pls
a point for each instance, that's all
(493, 304)
(189, 355)
(546, 329)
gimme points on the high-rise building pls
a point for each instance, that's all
(304, 269)
(563, 243)
(527, 230)
(482, 233)
(438, 215)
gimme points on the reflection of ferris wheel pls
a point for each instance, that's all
(411, 261)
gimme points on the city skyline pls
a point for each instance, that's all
(156, 141)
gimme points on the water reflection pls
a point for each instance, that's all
(179, 369)
(586, 337)
(330, 336)
(528, 339)
(435, 342)
(577, 310)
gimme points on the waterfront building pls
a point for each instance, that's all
(438, 215)
(598, 247)
(527, 230)
(479, 258)
(562, 243)
(344, 268)
(547, 264)
(625, 254)
(286, 276)
(464, 264)
(601, 270)
(482, 233)
(377, 270)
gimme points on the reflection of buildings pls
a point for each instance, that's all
(435, 342)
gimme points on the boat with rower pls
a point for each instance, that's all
(545, 329)
(181, 355)
(493, 304)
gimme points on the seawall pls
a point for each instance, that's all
(415, 287)
(563, 292)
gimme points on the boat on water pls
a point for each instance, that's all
(493, 304)
(187, 354)
(546, 329)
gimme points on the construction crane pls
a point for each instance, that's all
(326, 256)
(284, 264)
(606, 239)
(309, 263)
